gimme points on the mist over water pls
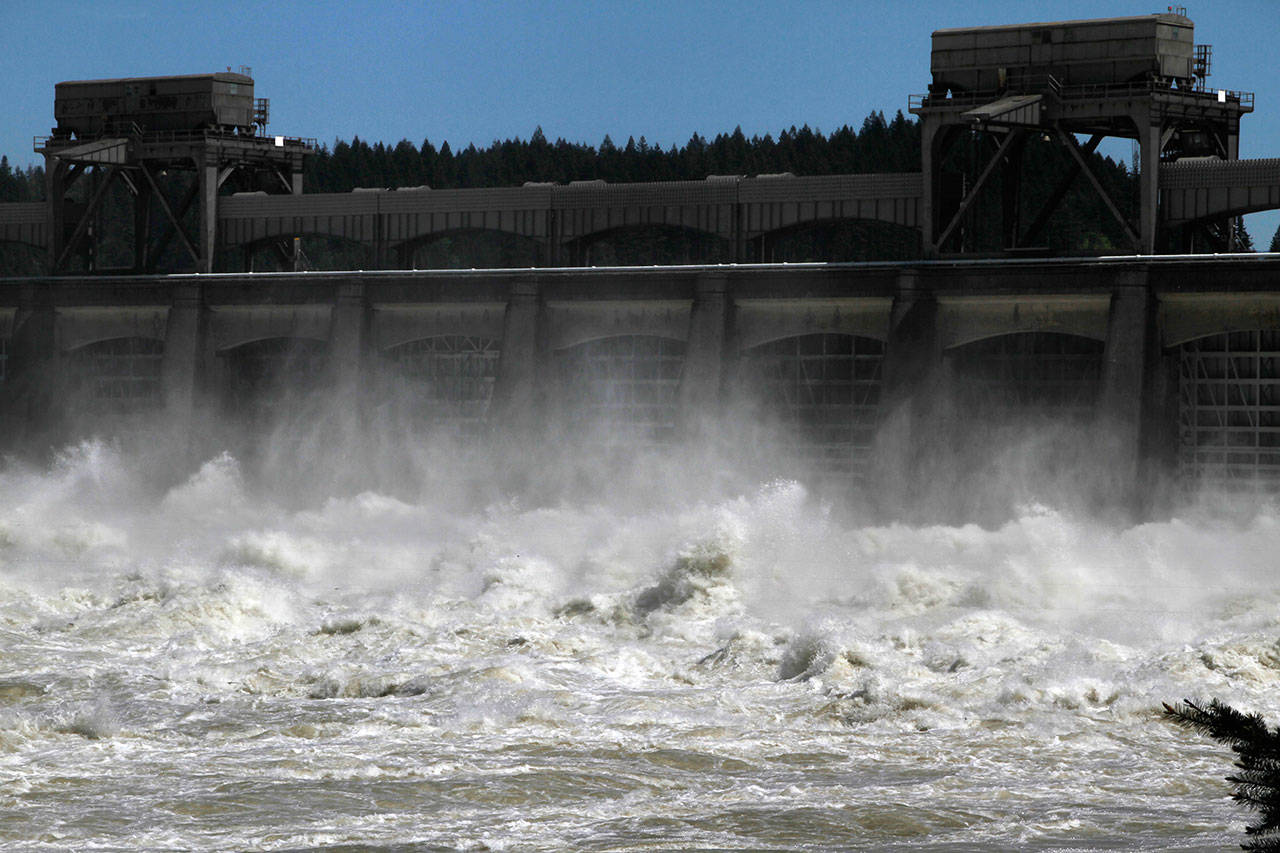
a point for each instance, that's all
(340, 633)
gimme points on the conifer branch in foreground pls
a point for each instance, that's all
(1257, 748)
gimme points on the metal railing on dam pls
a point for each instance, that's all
(854, 369)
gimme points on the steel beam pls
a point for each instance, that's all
(1059, 193)
(174, 220)
(1074, 148)
(987, 172)
(90, 211)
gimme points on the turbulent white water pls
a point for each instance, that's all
(206, 666)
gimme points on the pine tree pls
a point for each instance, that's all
(1275, 242)
(8, 182)
(1258, 750)
(1244, 243)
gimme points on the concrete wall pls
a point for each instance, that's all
(1139, 309)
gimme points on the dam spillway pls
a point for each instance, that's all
(859, 369)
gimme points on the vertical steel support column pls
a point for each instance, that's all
(517, 389)
(208, 177)
(347, 333)
(1149, 133)
(1121, 404)
(701, 380)
(552, 244)
(739, 233)
(380, 243)
(1011, 193)
(141, 226)
(55, 175)
(1233, 153)
(931, 173)
(183, 354)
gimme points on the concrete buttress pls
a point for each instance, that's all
(702, 378)
(183, 355)
(1126, 370)
(517, 390)
(908, 435)
(347, 337)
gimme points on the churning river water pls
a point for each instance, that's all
(215, 664)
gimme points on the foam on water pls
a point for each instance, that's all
(203, 665)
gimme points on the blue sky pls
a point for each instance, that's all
(476, 71)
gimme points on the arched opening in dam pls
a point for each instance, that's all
(623, 388)
(315, 252)
(260, 380)
(116, 376)
(1027, 375)
(443, 380)
(1019, 423)
(821, 394)
(1229, 411)
(470, 248)
(648, 244)
(839, 240)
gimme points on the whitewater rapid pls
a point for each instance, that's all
(205, 664)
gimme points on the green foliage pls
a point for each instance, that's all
(1275, 241)
(21, 184)
(1257, 748)
(1244, 243)
(880, 146)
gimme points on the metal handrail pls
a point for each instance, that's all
(1039, 84)
(153, 136)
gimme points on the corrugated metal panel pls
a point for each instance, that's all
(397, 217)
(314, 204)
(1220, 173)
(657, 193)
(833, 187)
(23, 213)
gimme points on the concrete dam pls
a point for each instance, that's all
(867, 371)
(1159, 370)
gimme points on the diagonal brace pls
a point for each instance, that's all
(177, 224)
(1074, 147)
(1059, 193)
(167, 234)
(969, 199)
(288, 187)
(83, 225)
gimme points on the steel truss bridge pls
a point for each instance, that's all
(743, 212)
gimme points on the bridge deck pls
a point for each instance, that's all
(736, 209)
(1213, 188)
